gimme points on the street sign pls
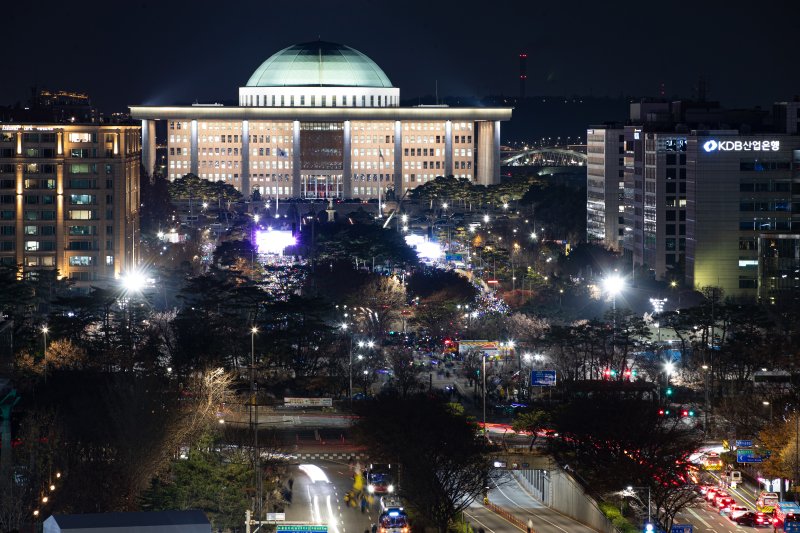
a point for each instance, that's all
(747, 455)
(308, 402)
(543, 378)
(791, 527)
(682, 528)
(276, 517)
(301, 528)
(744, 443)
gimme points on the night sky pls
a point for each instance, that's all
(179, 51)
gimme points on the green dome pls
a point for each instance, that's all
(319, 63)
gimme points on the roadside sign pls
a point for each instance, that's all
(747, 455)
(791, 527)
(276, 517)
(301, 528)
(744, 443)
(308, 402)
(543, 378)
(682, 528)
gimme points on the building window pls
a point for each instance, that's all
(81, 260)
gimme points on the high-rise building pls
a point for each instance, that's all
(69, 199)
(322, 120)
(702, 206)
(605, 166)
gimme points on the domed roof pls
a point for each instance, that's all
(319, 63)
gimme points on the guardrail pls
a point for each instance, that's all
(506, 515)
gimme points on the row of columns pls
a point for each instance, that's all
(487, 154)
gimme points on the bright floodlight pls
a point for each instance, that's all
(205, 205)
(256, 218)
(669, 367)
(360, 344)
(444, 205)
(533, 236)
(45, 330)
(486, 218)
(254, 330)
(344, 326)
(133, 281)
(613, 285)
(370, 344)
(505, 206)
(274, 241)
(404, 218)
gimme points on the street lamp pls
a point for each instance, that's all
(44, 334)
(613, 285)
(486, 219)
(630, 489)
(768, 404)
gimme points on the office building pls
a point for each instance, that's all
(605, 167)
(322, 120)
(69, 199)
(708, 194)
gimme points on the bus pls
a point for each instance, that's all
(766, 502)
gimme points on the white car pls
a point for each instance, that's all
(735, 511)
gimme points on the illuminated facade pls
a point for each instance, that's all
(69, 199)
(322, 120)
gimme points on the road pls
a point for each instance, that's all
(511, 496)
(706, 518)
(323, 503)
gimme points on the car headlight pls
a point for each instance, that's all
(370, 488)
(390, 488)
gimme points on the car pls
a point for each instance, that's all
(711, 493)
(722, 499)
(703, 489)
(393, 521)
(734, 510)
(752, 519)
(380, 479)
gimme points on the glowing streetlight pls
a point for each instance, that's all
(370, 344)
(160, 234)
(344, 326)
(505, 206)
(205, 205)
(404, 218)
(134, 281)
(444, 205)
(256, 218)
(486, 218)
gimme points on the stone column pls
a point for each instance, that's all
(399, 187)
(244, 175)
(149, 146)
(295, 160)
(487, 154)
(448, 148)
(347, 162)
(193, 165)
(496, 153)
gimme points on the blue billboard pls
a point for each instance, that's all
(543, 378)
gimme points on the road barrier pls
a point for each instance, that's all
(506, 515)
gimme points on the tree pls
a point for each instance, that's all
(611, 438)
(209, 479)
(379, 303)
(405, 372)
(445, 464)
(533, 422)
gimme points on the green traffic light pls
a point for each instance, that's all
(666, 412)
(669, 391)
(691, 413)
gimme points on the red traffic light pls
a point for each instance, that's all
(660, 412)
(685, 412)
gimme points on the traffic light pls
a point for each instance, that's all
(685, 412)
(648, 528)
(607, 373)
(661, 412)
(669, 391)
(691, 413)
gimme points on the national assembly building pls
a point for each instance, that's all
(322, 120)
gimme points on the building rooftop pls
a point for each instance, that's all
(319, 63)
(129, 520)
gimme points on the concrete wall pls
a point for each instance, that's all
(558, 490)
